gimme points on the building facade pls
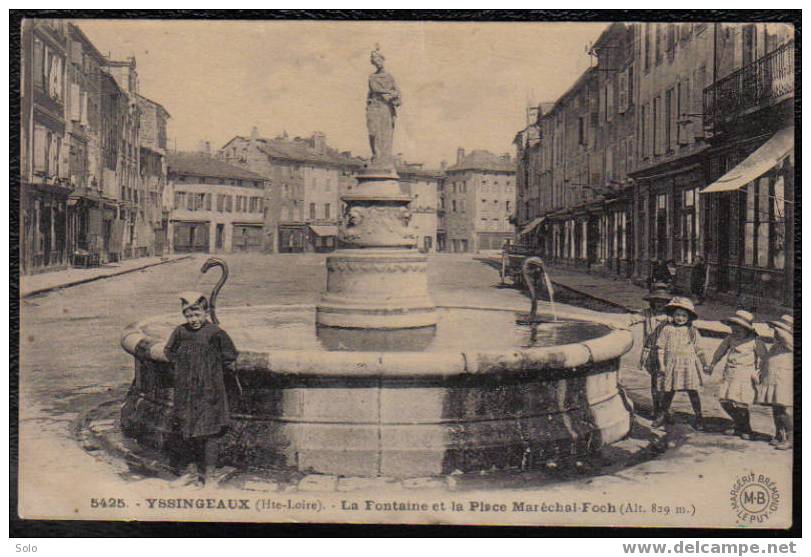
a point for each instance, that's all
(81, 191)
(748, 111)
(212, 206)
(614, 176)
(479, 196)
(153, 170)
(306, 178)
(423, 186)
(44, 180)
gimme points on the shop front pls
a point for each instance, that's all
(293, 238)
(322, 237)
(247, 238)
(748, 219)
(191, 237)
(44, 228)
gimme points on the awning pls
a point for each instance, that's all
(757, 164)
(324, 230)
(532, 225)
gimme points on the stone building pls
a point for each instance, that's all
(306, 178)
(213, 207)
(44, 180)
(748, 111)
(423, 186)
(82, 193)
(620, 172)
(479, 194)
(153, 144)
(675, 65)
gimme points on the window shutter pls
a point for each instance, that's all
(40, 149)
(674, 118)
(75, 102)
(76, 53)
(685, 102)
(656, 121)
(609, 100)
(39, 63)
(84, 108)
(623, 91)
(698, 100)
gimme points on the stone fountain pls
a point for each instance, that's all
(377, 280)
(376, 380)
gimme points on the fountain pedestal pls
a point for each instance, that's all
(377, 279)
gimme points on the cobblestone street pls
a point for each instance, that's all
(71, 362)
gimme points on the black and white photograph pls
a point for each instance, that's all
(518, 273)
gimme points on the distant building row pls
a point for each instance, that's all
(92, 165)
(678, 143)
(290, 197)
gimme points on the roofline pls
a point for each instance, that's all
(159, 105)
(349, 161)
(256, 178)
(571, 90)
(78, 30)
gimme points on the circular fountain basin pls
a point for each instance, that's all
(475, 392)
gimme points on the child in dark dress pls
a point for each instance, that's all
(200, 352)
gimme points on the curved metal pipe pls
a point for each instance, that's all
(537, 262)
(210, 263)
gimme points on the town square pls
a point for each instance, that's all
(398, 275)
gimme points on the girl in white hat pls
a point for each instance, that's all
(776, 380)
(681, 359)
(744, 352)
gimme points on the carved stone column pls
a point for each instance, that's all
(377, 279)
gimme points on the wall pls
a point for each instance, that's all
(213, 216)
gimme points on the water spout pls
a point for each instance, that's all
(533, 311)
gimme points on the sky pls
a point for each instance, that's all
(463, 84)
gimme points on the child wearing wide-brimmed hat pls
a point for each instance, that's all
(776, 380)
(201, 353)
(681, 359)
(653, 318)
(744, 352)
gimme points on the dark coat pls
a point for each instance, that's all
(200, 358)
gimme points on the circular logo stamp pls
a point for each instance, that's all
(754, 498)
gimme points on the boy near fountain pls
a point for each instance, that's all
(744, 352)
(681, 360)
(200, 352)
(776, 379)
(652, 319)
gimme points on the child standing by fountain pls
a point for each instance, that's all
(744, 352)
(200, 352)
(681, 360)
(652, 319)
(776, 379)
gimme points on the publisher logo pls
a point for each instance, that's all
(754, 498)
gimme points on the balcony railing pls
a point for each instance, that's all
(757, 85)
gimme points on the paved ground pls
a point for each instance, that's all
(625, 294)
(43, 282)
(71, 362)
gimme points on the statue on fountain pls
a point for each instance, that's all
(381, 111)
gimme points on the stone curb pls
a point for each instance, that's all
(99, 277)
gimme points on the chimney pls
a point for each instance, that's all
(319, 143)
(254, 133)
(443, 165)
(460, 154)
